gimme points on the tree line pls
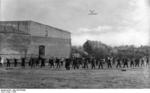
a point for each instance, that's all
(100, 50)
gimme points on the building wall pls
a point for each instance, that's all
(13, 44)
(18, 38)
(57, 42)
(37, 29)
(54, 47)
(15, 26)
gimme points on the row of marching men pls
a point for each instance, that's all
(31, 62)
(109, 62)
(76, 63)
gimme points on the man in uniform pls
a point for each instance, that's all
(125, 62)
(147, 61)
(118, 63)
(51, 63)
(42, 62)
(23, 62)
(37, 61)
(32, 62)
(142, 61)
(100, 63)
(67, 64)
(137, 61)
(85, 63)
(93, 62)
(15, 62)
(8, 62)
(76, 62)
(109, 63)
(132, 63)
(57, 63)
(62, 62)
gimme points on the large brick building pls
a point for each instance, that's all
(29, 38)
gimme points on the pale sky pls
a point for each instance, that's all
(119, 22)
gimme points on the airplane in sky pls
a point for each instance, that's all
(92, 12)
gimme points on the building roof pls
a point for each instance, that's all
(58, 29)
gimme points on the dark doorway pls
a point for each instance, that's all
(41, 51)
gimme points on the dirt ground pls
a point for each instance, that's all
(47, 78)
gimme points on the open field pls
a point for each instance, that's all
(46, 78)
